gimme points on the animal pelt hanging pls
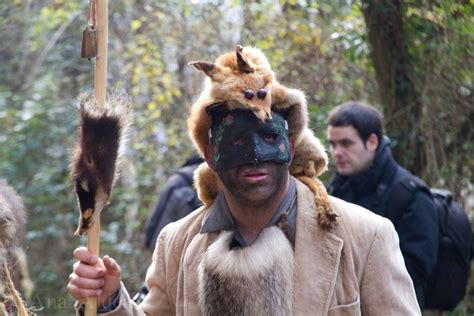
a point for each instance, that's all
(12, 222)
(95, 161)
(244, 80)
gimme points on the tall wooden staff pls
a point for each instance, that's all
(100, 91)
(104, 119)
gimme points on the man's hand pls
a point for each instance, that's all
(94, 277)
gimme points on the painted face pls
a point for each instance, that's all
(350, 155)
(240, 138)
(255, 184)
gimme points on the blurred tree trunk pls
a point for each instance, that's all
(395, 76)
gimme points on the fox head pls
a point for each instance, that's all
(242, 79)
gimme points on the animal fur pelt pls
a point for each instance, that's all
(306, 167)
(95, 162)
(255, 280)
(228, 79)
(12, 222)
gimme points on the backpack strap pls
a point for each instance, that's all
(402, 194)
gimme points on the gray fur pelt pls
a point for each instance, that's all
(12, 214)
(94, 166)
(255, 280)
(12, 219)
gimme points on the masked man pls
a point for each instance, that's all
(259, 249)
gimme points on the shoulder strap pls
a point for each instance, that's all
(402, 194)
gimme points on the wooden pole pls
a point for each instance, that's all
(100, 90)
(93, 245)
(100, 79)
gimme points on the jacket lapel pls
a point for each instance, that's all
(317, 254)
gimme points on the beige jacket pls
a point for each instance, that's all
(357, 269)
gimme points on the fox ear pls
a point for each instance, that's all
(206, 67)
(242, 62)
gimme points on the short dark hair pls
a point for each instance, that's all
(363, 117)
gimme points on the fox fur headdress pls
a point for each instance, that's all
(244, 80)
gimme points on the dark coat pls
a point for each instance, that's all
(417, 228)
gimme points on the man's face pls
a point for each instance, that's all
(251, 157)
(351, 156)
(255, 185)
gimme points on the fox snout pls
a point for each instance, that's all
(263, 115)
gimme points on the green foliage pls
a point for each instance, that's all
(318, 46)
(440, 40)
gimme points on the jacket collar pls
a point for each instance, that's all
(219, 217)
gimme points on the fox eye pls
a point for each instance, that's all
(249, 94)
(238, 140)
(89, 159)
(262, 93)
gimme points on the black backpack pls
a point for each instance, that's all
(177, 199)
(447, 285)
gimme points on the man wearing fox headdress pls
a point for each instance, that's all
(264, 243)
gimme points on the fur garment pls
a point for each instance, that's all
(12, 224)
(95, 162)
(12, 219)
(255, 280)
(228, 78)
(310, 158)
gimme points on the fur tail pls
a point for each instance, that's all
(95, 164)
(327, 219)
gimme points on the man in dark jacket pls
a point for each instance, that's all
(366, 174)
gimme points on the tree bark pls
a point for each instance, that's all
(402, 105)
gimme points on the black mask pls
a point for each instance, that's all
(238, 138)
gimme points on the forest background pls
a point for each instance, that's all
(412, 59)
